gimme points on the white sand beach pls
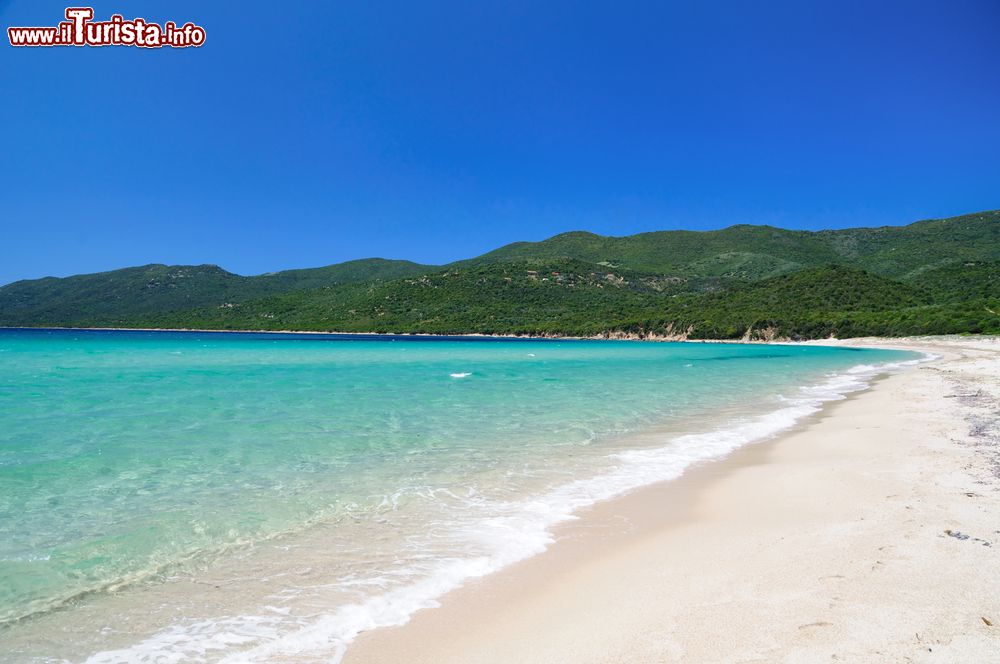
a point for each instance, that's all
(869, 534)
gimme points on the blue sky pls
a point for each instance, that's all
(308, 133)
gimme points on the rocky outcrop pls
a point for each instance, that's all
(767, 334)
(669, 333)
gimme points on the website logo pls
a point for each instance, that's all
(80, 29)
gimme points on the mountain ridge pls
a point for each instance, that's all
(718, 283)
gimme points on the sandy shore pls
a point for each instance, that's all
(870, 534)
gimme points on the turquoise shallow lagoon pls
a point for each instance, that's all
(322, 485)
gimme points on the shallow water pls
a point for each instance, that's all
(204, 497)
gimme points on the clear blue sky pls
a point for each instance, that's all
(308, 133)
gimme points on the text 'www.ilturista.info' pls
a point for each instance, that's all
(79, 29)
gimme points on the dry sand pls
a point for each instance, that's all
(870, 534)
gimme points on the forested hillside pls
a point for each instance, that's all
(931, 277)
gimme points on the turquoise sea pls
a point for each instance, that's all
(257, 497)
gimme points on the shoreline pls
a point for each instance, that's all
(579, 600)
(609, 336)
(898, 343)
(462, 335)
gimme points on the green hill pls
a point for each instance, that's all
(112, 298)
(521, 297)
(365, 269)
(756, 252)
(906, 251)
(749, 252)
(937, 276)
(961, 281)
(810, 303)
(582, 299)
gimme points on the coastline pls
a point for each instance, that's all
(894, 343)
(609, 336)
(897, 343)
(828, 541)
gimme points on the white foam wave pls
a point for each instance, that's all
(519, 530)
(461, 375)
